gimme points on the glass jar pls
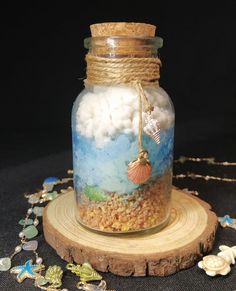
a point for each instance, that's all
(105, 130)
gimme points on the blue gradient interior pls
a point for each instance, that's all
(106, 168)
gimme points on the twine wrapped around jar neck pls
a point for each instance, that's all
(124, 70)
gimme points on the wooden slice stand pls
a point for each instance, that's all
(189, 234)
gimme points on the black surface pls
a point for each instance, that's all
(43, 53)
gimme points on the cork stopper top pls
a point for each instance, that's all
(131, 29)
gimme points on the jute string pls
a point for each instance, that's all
(136, 72)
(115, 71)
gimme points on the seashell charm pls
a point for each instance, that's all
(152, 128)
(214, 265)
(85, 272)
(140, 169)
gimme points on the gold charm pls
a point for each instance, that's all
(140, 169)
(91, 287)
(54, 276)
(85, 272)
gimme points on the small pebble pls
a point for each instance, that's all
(38, 210)
(5, 264)
(30, 231)
(30, 245)
(27, 221)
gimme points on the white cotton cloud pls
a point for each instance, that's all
(108, 111)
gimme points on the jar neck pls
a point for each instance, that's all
(123, 46)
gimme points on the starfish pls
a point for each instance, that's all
(26, 271)
(227, 221)
(228, 253)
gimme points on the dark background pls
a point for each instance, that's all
(42, 61)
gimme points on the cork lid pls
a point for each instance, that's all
(123, 39)
(131, 29)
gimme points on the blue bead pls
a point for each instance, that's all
(51, 180)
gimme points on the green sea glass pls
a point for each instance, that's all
(40, 281)
(38, 210)
(5, 264)
(51, 195)
(94, 193)
(30, 231)
(28, 221)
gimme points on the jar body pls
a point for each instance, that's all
(105, 123)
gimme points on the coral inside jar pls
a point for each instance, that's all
(122, 150)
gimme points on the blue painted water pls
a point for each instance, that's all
(106, 168)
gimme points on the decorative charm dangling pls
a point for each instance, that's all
(54, 276)
(152, 128)
(140, 169)
(84, 271)
(28, 270)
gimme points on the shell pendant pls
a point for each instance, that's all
(140, 169)
(152, 128)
